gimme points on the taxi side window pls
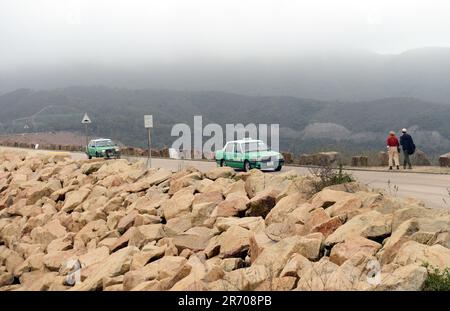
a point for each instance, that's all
(229, 148)
(237, 148)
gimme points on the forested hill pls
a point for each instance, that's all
(305, 124)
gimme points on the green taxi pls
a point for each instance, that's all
(102, 148)
(247, 154)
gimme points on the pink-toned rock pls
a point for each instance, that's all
(328, 227)
(352, 246)
(262, 203)
(180, 203)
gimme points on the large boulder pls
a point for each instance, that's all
(195, 239)
(414, 211)
(168, 269)
(369, 225)
(412, 252)
(179, 224)
(276, 256)
(204, 204)
(116, 264)
(246, 278)
(218, 172)
(353, 245)
(284, 207)
(296, 265)
(255, 224)
(428, 231)
(75, 198)
(233, 242)
(38, 191)
(321, 158)
(328, 197)
(92, 166)
(262, 203)
(258, 242)
(406, 278)
(180, 203)
(194, 280)
(185, 180)
(420, 159)
(153, 178)
(316, 277)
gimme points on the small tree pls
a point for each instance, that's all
(326, 175)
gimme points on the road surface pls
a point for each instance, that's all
(433, 189)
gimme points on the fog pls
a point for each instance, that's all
(332, 50)
(43, 32)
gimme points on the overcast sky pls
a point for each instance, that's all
(130, 31)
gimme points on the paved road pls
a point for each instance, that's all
(431, 188)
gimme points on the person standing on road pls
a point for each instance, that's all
(393, 150)
(408, 148)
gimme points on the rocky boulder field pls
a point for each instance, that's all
(114, 225)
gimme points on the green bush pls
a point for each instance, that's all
(437, 280)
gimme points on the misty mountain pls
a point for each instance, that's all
(306, 125)
(343, 76)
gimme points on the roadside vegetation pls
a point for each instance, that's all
(327, 175)
(437, 280)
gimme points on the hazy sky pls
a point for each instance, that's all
(116, 31)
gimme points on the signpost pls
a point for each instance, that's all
(148, 123)
(86, 120)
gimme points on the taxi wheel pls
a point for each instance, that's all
(222, 163)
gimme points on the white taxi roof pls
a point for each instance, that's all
(100, 139)
(248, 140)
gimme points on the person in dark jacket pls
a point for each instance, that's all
(408, 148)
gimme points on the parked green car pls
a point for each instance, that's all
(103, 148)
(247, 154)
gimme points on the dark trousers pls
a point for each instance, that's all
(406, 159)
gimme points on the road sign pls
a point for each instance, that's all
(148, 121)
(86, 119)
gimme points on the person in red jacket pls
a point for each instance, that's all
(393, 148)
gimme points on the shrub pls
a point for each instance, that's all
(437, 280)
(327, 176)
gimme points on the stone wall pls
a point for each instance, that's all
(321, 158)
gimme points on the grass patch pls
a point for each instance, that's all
(437, 280)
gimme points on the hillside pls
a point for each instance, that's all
(305, 124)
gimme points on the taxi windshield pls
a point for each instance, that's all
(255, 146)
(104, 143)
